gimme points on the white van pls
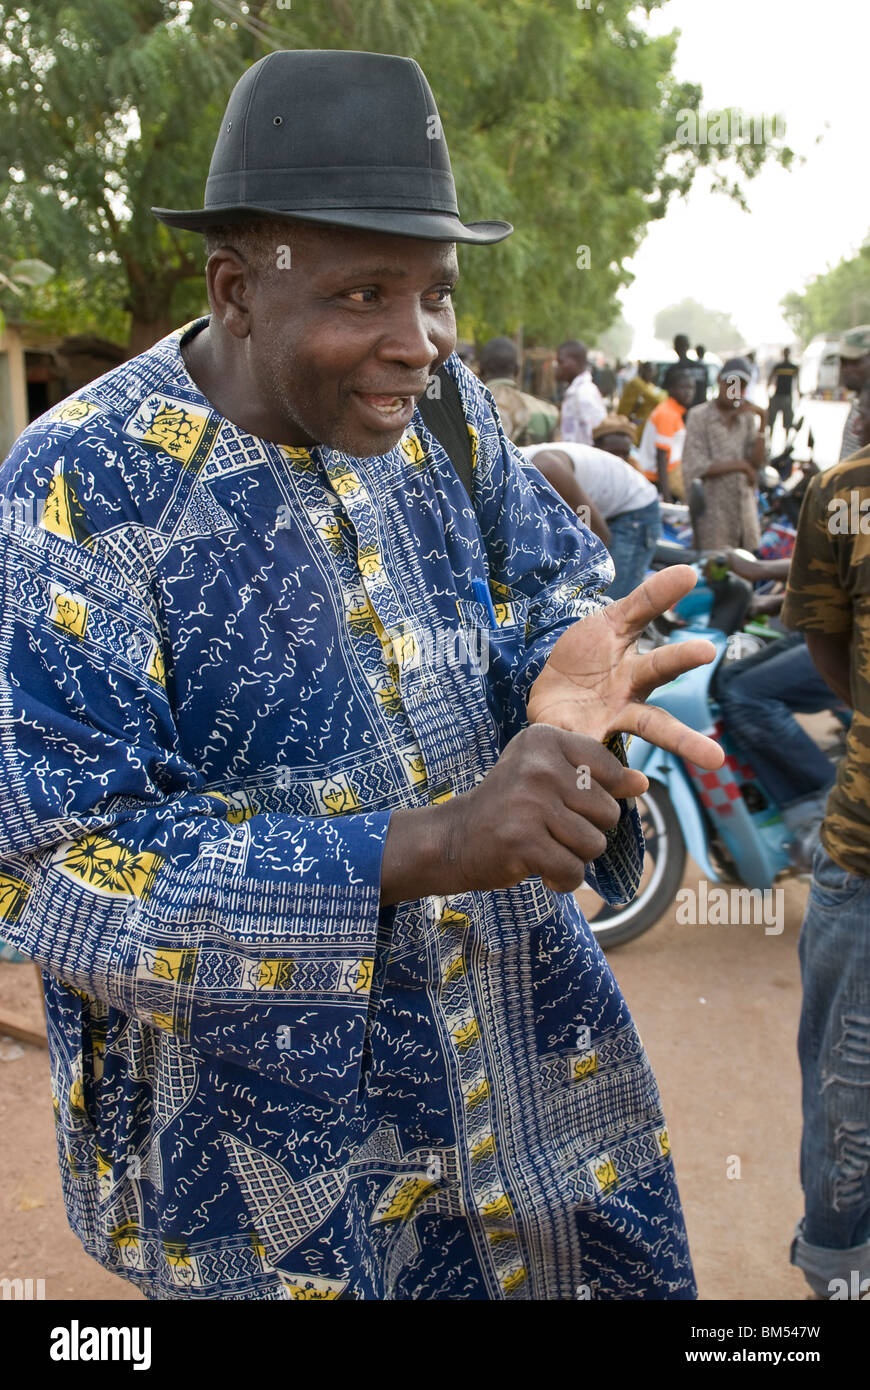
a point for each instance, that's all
(820, 367)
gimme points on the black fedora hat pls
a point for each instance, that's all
(347, 139)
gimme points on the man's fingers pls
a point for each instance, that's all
(586, 755)
(664, 664)
(657, 593)
(563, 871)
(583, 838)
(658, 727)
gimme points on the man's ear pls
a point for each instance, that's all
(229, 280)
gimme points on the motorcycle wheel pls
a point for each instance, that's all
(663, 868)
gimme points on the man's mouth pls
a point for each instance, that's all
(389, 411)
(388, 405)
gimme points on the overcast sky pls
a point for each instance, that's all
(808, 60)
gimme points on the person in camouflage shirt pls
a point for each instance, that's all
(829, 600)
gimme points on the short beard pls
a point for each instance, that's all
(298, 412)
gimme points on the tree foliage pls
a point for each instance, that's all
(715, 329)
(561, 119)
(835, 300)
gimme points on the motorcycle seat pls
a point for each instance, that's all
(670, 553)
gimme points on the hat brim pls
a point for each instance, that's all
(425, 226)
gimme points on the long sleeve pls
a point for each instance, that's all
(124, 877)
(631, 394)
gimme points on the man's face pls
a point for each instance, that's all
(683, 390)
(854, 371)
(732, 389)
(342, 343)
(568, 365)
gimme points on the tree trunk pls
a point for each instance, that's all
(146, 330)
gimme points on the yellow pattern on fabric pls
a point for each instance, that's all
(499, 1209)
(451, 918)
(466, 1034)
(241, 805)
(407, 1199)
(108, 866)
(13, 895)
(604, 1173)
(68, 611)
(75, 411)
(176, 429)
(303, 1287)
(156, 668)
(63, 514)
(412, 448)
(484, 1148)
(586, 1066)
(165, 964)
(275, 974)
(477, 1094)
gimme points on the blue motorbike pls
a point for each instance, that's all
(726, 820)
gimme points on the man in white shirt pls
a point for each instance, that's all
(613, 499)
(582, 405)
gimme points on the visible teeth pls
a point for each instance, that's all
(389, 405)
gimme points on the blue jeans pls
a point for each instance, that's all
(633, 538)
(759, 697)
(832, 1241)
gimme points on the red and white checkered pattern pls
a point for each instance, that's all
(718, 790)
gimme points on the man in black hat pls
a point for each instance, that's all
(294, 847)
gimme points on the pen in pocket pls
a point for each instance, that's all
(482, 594)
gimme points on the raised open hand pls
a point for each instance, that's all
(595, 681)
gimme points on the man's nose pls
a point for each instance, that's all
(409, 340)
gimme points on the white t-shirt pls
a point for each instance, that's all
(611, 484)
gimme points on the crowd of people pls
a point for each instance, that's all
(671, 435)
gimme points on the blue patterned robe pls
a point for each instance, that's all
(222, 664)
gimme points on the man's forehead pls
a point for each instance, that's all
(326, 249)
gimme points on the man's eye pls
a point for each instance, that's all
(445, 292)
(354, 293)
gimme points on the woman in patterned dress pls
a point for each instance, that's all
(724, 449)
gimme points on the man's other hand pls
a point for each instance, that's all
(596, 680)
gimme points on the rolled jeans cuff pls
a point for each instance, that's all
(822, 1265)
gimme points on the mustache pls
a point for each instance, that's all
(392, 389)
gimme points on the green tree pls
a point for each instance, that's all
(716, 330)
(108, 107)
(835, 300)
(561, 119)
